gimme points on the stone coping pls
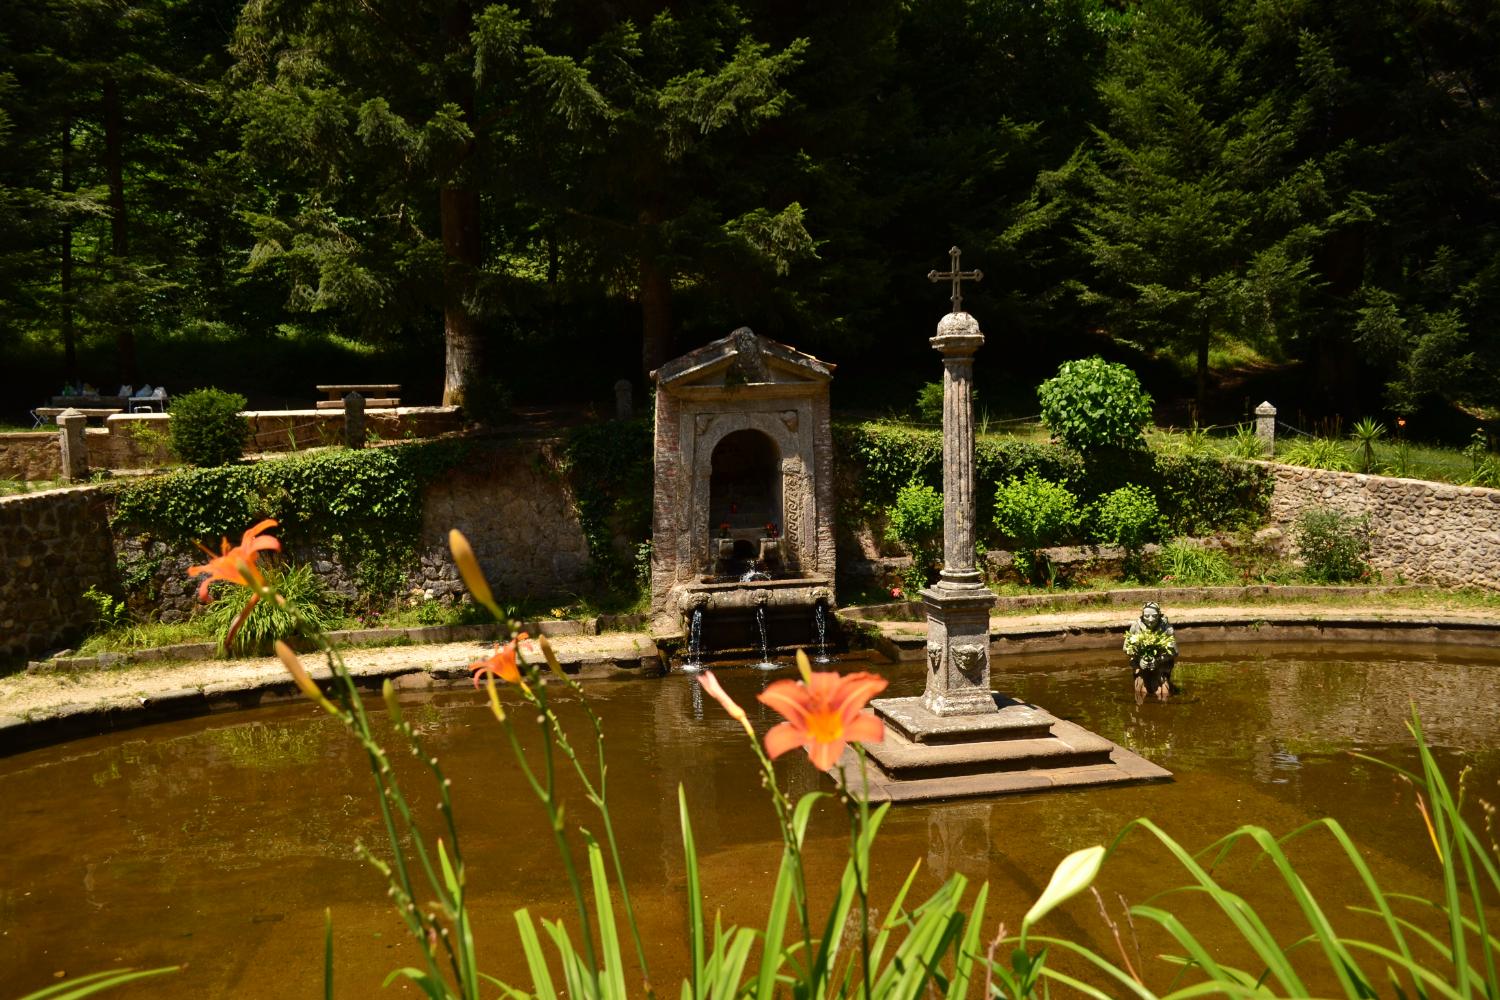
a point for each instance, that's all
(907, 640)
(41, 709)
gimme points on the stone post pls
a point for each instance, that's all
(354, 420)
(75, 454)
(624, 405)
(958, 605)
(1265, 428)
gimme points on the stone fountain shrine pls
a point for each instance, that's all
(743, 505)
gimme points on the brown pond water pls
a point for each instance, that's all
(218, 842)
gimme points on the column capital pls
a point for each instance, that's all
(958, 335)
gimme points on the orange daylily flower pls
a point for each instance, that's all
(710, 683)
(502, 664)
(824, 715)
(237, 565)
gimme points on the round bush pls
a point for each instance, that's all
(1128, 517)
(207, 429)
(1334, 546)
(1034, 512)
(1093, 404)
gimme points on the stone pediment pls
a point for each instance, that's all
(742, 358)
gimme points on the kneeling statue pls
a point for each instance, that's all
(1152, 649)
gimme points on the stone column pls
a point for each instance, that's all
(958, 606)
(1265, 428)
(75, 454)
(354, 420)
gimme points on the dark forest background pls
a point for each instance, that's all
(1246, 199)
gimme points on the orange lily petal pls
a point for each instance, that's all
(782, 737)
(864, 728)
(787, 697)
(825, 755)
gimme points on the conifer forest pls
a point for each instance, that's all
(1236, 197)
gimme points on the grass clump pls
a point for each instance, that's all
(1188, 564)
(303, 607)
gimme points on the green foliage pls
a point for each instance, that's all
(915, 521)
(1318, 453)
(1365, 433)
(1334, 546)
(366, 504)
(1187, 564)
(609, 468)
(1035, 513)
(308, 609)
(1094, 404)
(109, 612)
(930, 403)
(207, 429)
(487, 400)
(1245, 443)
(1128, 517)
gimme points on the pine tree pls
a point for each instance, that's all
(1196, 219)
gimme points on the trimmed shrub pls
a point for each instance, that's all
(1035, 513)
(1334, 546)
(1128, 517)
(915, 521)
(1094, 404)
(207, 429)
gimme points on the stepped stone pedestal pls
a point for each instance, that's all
(1015, 747)
(959, 739)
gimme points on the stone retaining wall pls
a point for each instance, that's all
(30, 457)
(508, 498)
(143, 440)
(54, 545)
(1424, 531)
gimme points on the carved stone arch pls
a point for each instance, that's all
(786, 445)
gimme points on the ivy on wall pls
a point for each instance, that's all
(364, 504)
(610, 470)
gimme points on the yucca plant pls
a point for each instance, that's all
(1364, 434)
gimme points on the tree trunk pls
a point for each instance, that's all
(114, 164)
(1201, 393)
(656, 316)
(461, 334)
(70, 345)
(463, 241)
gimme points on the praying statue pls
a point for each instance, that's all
(1152, 649)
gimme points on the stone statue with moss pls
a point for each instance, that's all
(1152, 648)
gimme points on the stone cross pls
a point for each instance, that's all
(958, 605)
(957, 277)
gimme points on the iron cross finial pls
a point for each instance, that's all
(957, 277)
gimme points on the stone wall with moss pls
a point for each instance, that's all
(54, 545)
(1426, 532)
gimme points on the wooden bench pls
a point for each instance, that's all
(376, 396)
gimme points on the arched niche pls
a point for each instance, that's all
(744, 485)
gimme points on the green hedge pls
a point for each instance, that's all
(1197, 494)
(365, 504)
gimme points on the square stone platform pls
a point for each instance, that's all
(1017, 748)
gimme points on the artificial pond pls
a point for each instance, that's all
(218, 842)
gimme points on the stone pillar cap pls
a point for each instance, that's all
(958, 333)
(1265, 410)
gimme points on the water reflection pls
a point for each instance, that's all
(219, 841)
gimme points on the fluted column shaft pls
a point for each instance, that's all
(958, 337)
